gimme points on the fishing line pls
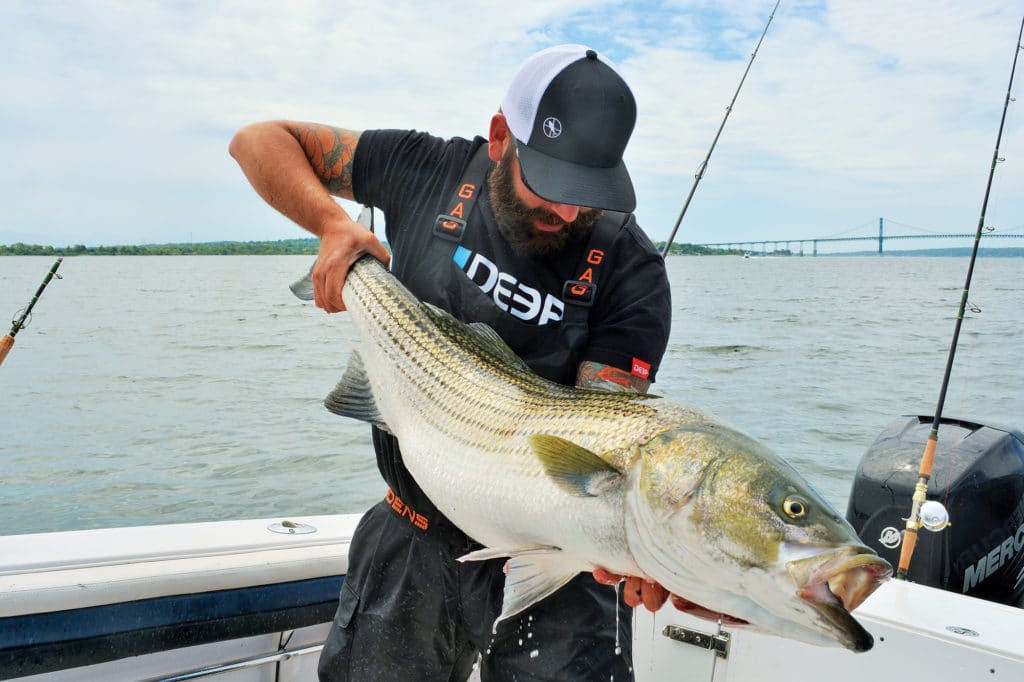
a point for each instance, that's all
(928, 458)
(728, 110)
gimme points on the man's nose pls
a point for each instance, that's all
(566, 212)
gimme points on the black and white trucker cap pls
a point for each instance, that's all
(571, 115)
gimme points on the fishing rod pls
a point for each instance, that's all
(928, 458)
(728, 110)
(7, 341)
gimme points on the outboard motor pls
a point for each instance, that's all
(978, 475)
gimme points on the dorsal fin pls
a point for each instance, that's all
(483, 335)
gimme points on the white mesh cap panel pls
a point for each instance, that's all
(531, 81)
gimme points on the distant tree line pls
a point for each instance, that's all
(282, 247)
(678, 249)
(310, 246)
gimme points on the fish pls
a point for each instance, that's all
(560, 480)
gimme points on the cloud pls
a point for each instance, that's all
(116, 117)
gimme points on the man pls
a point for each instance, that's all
(531, 232)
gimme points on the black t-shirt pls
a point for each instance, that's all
(412, 177)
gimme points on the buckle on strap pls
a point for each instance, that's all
(578, 292)
(449, 227)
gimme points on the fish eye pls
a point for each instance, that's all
(795, 507)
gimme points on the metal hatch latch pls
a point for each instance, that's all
(287, 527)
(718, 643)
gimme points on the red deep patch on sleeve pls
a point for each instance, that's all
(641, 369)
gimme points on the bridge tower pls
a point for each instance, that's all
(880, 237)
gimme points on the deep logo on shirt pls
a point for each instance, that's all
(508, 293)
(641, 369)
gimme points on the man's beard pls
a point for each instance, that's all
(515, 219)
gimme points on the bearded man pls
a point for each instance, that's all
(531, 232)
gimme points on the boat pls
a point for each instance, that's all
(172, 602)
(254, 599)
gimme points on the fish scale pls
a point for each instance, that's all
(562, 479)
(454, 398)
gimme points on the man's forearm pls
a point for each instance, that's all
(281, 171)
(606, 377)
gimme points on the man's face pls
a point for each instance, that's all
(531, 225)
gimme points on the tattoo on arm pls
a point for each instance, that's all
(597, 375)
(330, 151)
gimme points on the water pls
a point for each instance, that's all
(173, 389)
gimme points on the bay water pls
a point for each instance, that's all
(173, 389)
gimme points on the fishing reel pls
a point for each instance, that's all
(934, 516)
(21, 319)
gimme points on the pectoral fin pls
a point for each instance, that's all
(531, 574)
(575, 469)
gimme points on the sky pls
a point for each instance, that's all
(115, 117)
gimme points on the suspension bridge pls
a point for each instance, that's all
(786, 245)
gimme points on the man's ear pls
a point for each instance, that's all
(500, 137)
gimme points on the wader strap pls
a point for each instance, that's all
(582, 291)
(441, 528)
(452, 225)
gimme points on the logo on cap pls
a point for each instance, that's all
(552, 127)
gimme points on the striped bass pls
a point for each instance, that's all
(563, 480)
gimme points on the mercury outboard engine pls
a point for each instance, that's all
(978, 475)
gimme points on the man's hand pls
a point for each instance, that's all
(653, 596)
(342, 243)
(636, 591)
(296, 167)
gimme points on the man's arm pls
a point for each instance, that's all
(636, 590)
(296, 167)
(331, 152)
(597, 375)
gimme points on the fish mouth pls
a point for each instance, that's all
(836, 583)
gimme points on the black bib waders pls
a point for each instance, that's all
(408, 610)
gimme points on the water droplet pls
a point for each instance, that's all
(618, 605)
(534, 654)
